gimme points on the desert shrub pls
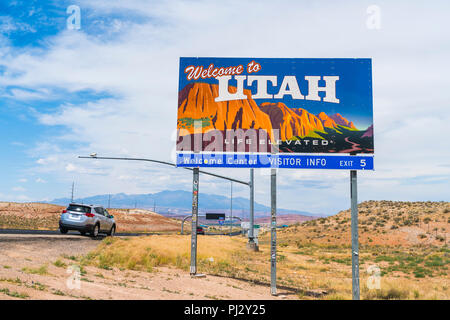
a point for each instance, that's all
(59, 263)
(14, 294)
(390, 294)
(435, 261)
(41, 270)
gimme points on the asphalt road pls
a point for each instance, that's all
(56, 232)
(75, 233)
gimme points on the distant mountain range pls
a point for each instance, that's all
(178, 202)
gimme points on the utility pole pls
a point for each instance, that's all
(73, 186)
(273, 232)
(251, 232)
(231, 208)
(195, 183)
(154, 205)
(109, 201)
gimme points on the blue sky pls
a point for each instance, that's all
(110, 85)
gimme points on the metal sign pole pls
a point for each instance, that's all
(273, 232)
(194, 221)
(251, 232)
(354, 226)
(231, 208)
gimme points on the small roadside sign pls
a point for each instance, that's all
(215, 216)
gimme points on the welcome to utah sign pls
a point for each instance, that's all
(262, 112)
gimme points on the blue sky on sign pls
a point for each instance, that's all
(111, 87)
(353, 89)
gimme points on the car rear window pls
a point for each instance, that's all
(78, 208)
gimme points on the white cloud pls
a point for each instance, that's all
(21, 198)
(18, 189)
(47, 160)
(14, 197)
(70, 167)
(126, 177)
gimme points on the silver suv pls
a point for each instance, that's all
(87, 219)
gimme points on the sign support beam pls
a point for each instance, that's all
(354, 227)
(166, 163)
(195, 183)
(231, 208)
(251, 232)
(273, 232)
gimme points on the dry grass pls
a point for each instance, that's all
(145, 253)
(304, 268)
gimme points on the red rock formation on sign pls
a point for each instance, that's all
(327, 121)
(291, 122)
(196, 101)
(368, 133)
(340, 120)
(309, 118)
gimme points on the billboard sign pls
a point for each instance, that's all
(290, 108)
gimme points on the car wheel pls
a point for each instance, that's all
(63, 230)
(112, 231)
(95, 231)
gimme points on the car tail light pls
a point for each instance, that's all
(90, 215)
(64, 211)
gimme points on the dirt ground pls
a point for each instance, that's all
(28, 271)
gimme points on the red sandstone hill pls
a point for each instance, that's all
(196, 103)
(291, 122)
(340, 120)
(327, 121)
(38, 216)
(369, 132)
